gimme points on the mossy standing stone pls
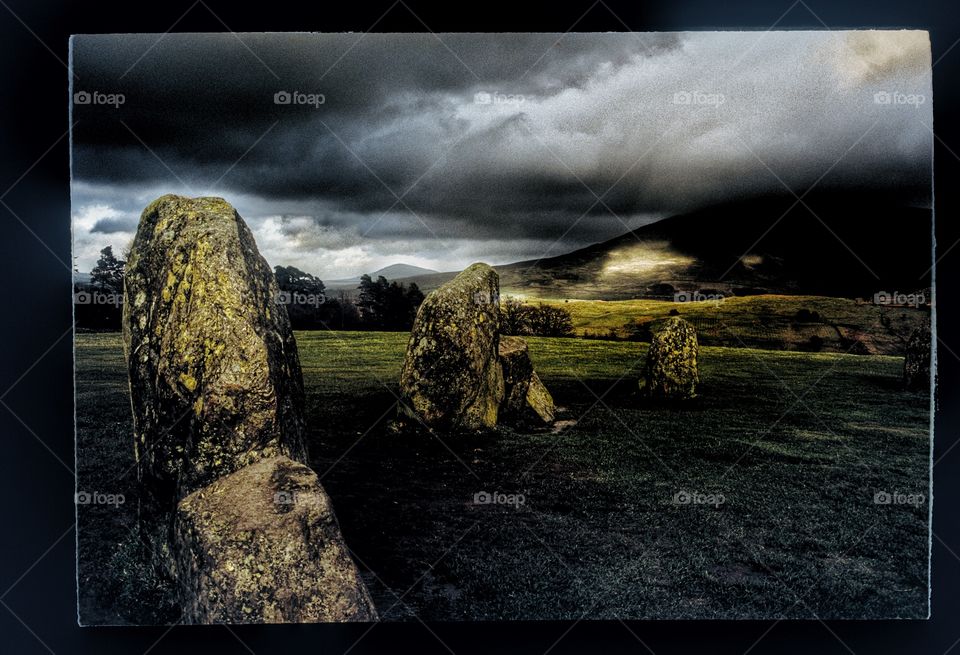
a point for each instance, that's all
(671, 371)
(215, 379)
(215, 376)
(451, 378)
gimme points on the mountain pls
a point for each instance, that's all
(830, 244)
(395, 271)
(392, 272)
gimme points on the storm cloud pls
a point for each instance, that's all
(348, 152)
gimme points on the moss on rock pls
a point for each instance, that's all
(526, 402)
(214, 372)
(215, 380)
(671, 367)
(459, 373)
(451, 378)
(262, 545)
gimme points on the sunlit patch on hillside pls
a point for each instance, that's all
(644, 259)
(751, 261)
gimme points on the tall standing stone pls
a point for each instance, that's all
(215, 380)
(451, 378)
(916, 361)
(218, 406)
(671, 367)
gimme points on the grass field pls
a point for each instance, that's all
(767, 321)
(781, 458)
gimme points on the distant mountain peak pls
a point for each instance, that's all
(396, 271)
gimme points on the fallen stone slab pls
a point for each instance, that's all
(262, 545)
(526, 402)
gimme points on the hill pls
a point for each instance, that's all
(392, 272)
(827, 245)
(768, 322)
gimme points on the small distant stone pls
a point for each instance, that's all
(671, 371)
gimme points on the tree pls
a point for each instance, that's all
(342, 312)
(290, 278)
(388, 305)
(109, 271)
(515, 317)
(371, 301)
(415, 298)
(549, 321)
(303, 294)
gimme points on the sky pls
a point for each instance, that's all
(345, 153)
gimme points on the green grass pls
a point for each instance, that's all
(796, 443)
(766, 321)
(114, 585)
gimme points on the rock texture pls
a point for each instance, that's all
(916, 362)
(671, 367)
(262, 545)
(451, 378)
(215, 379)
(526, 400)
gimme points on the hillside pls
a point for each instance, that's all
(768, 322)
(829, 245)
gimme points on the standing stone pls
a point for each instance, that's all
(526, 400)
(262, 545)
(215, 379)
(671, 366)
(916, 361)
(451, 378)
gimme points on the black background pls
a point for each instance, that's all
(37, 572)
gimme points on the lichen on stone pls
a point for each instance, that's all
(262, 545)
(671, 370)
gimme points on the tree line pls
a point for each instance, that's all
(377, 304)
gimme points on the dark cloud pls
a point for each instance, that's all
(114, 225)
(494, 137)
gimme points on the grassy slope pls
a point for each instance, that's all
(598, 534)
(767, 321)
